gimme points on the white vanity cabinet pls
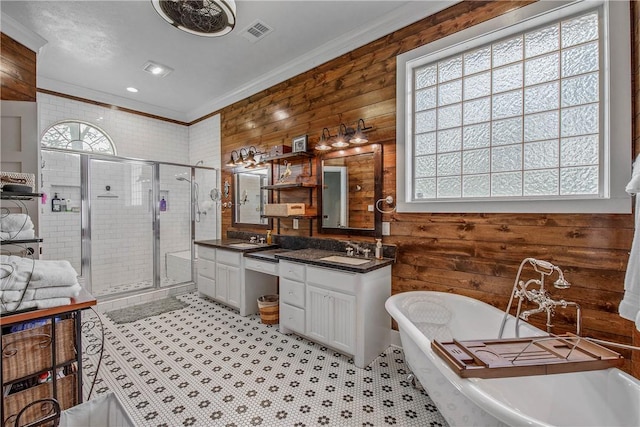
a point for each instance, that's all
(224, 277)
(341, 309)
(228, 281)
(206, 279)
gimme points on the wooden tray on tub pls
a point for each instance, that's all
(515, 357)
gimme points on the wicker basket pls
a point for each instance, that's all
(66, 396)
(28, 352)
(27, 179)
(269, 309)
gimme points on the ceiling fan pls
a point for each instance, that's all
(209, 18)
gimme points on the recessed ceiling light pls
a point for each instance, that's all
(132, 89)
(157, 69)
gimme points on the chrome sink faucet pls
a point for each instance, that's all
(354, 246)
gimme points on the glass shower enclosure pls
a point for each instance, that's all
(128, 225)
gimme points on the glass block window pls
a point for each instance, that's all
(78, 136)
(517, 118)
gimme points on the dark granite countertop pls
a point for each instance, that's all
(229, 244)
(314, 257)
(267, 255)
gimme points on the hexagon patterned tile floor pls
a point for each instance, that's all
(205, 365)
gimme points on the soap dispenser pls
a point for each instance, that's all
(163, 205)
(378, 248)
(269, 237)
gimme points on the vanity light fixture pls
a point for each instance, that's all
(132, 89)
(359, 136)
(232, 160)
(241, 159)
(323, 144)
(341, 139)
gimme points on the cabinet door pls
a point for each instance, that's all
(207, 277)
(233, 286)
(317, 314)
(222, 282)
(342, 315)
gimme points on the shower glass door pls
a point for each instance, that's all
(176, 201)
(121, 226)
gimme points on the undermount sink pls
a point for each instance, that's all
(345, 260)
(243, 245)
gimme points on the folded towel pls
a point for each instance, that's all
(53, 273)
(15, 273)
(41, 303)
(57, 292)
(15, 296)
(15, 222)
(17, 235)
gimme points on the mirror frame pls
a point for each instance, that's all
(376, 149)
(236, 197)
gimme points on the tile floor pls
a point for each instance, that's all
(129, 287)
(205, 365)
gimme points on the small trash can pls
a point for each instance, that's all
(269, 309)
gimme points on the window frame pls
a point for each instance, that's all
(80, 122)
(615, 109)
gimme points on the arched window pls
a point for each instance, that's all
(78, 136)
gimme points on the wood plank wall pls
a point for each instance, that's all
(471, 254)
(17, 71)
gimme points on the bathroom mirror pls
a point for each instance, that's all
(249, 198)
(351, 184)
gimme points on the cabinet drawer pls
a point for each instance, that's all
(332, 279)
(292, 292)
(261, 266)
(292, 317)
(207, 286)
(207, 268)
(292, 270)
(206, 252)
(228, 257)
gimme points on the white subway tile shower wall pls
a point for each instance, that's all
(61, 230)
(133, 135)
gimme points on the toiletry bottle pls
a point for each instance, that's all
(55, 203)
(379, 248)
(163, 205)
(268, 237)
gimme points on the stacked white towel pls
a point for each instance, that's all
(27, 283)
(16, 227)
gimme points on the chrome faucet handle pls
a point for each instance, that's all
(253, 239)
(349, 251)
(366, 252)
(262, 240)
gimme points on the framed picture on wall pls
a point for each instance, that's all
(299, 144)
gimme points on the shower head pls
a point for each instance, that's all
(182, 178)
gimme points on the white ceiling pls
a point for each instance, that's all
(95, 49)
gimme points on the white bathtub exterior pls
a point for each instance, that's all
(596, 398)
(179, 266)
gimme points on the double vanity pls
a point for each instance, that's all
(325, 296)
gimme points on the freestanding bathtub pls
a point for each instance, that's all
(591, 398)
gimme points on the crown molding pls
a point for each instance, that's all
(410, 12)
(21, 34)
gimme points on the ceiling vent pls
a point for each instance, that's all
(256, 31)
(209, 18)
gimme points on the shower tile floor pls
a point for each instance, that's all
(130, 287)
(205, 365)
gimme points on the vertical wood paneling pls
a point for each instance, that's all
(17, 71)
(470, 254)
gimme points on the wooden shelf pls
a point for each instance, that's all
(309, 216)
(288, 186)
(290, 156)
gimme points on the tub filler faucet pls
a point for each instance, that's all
(538, 295)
